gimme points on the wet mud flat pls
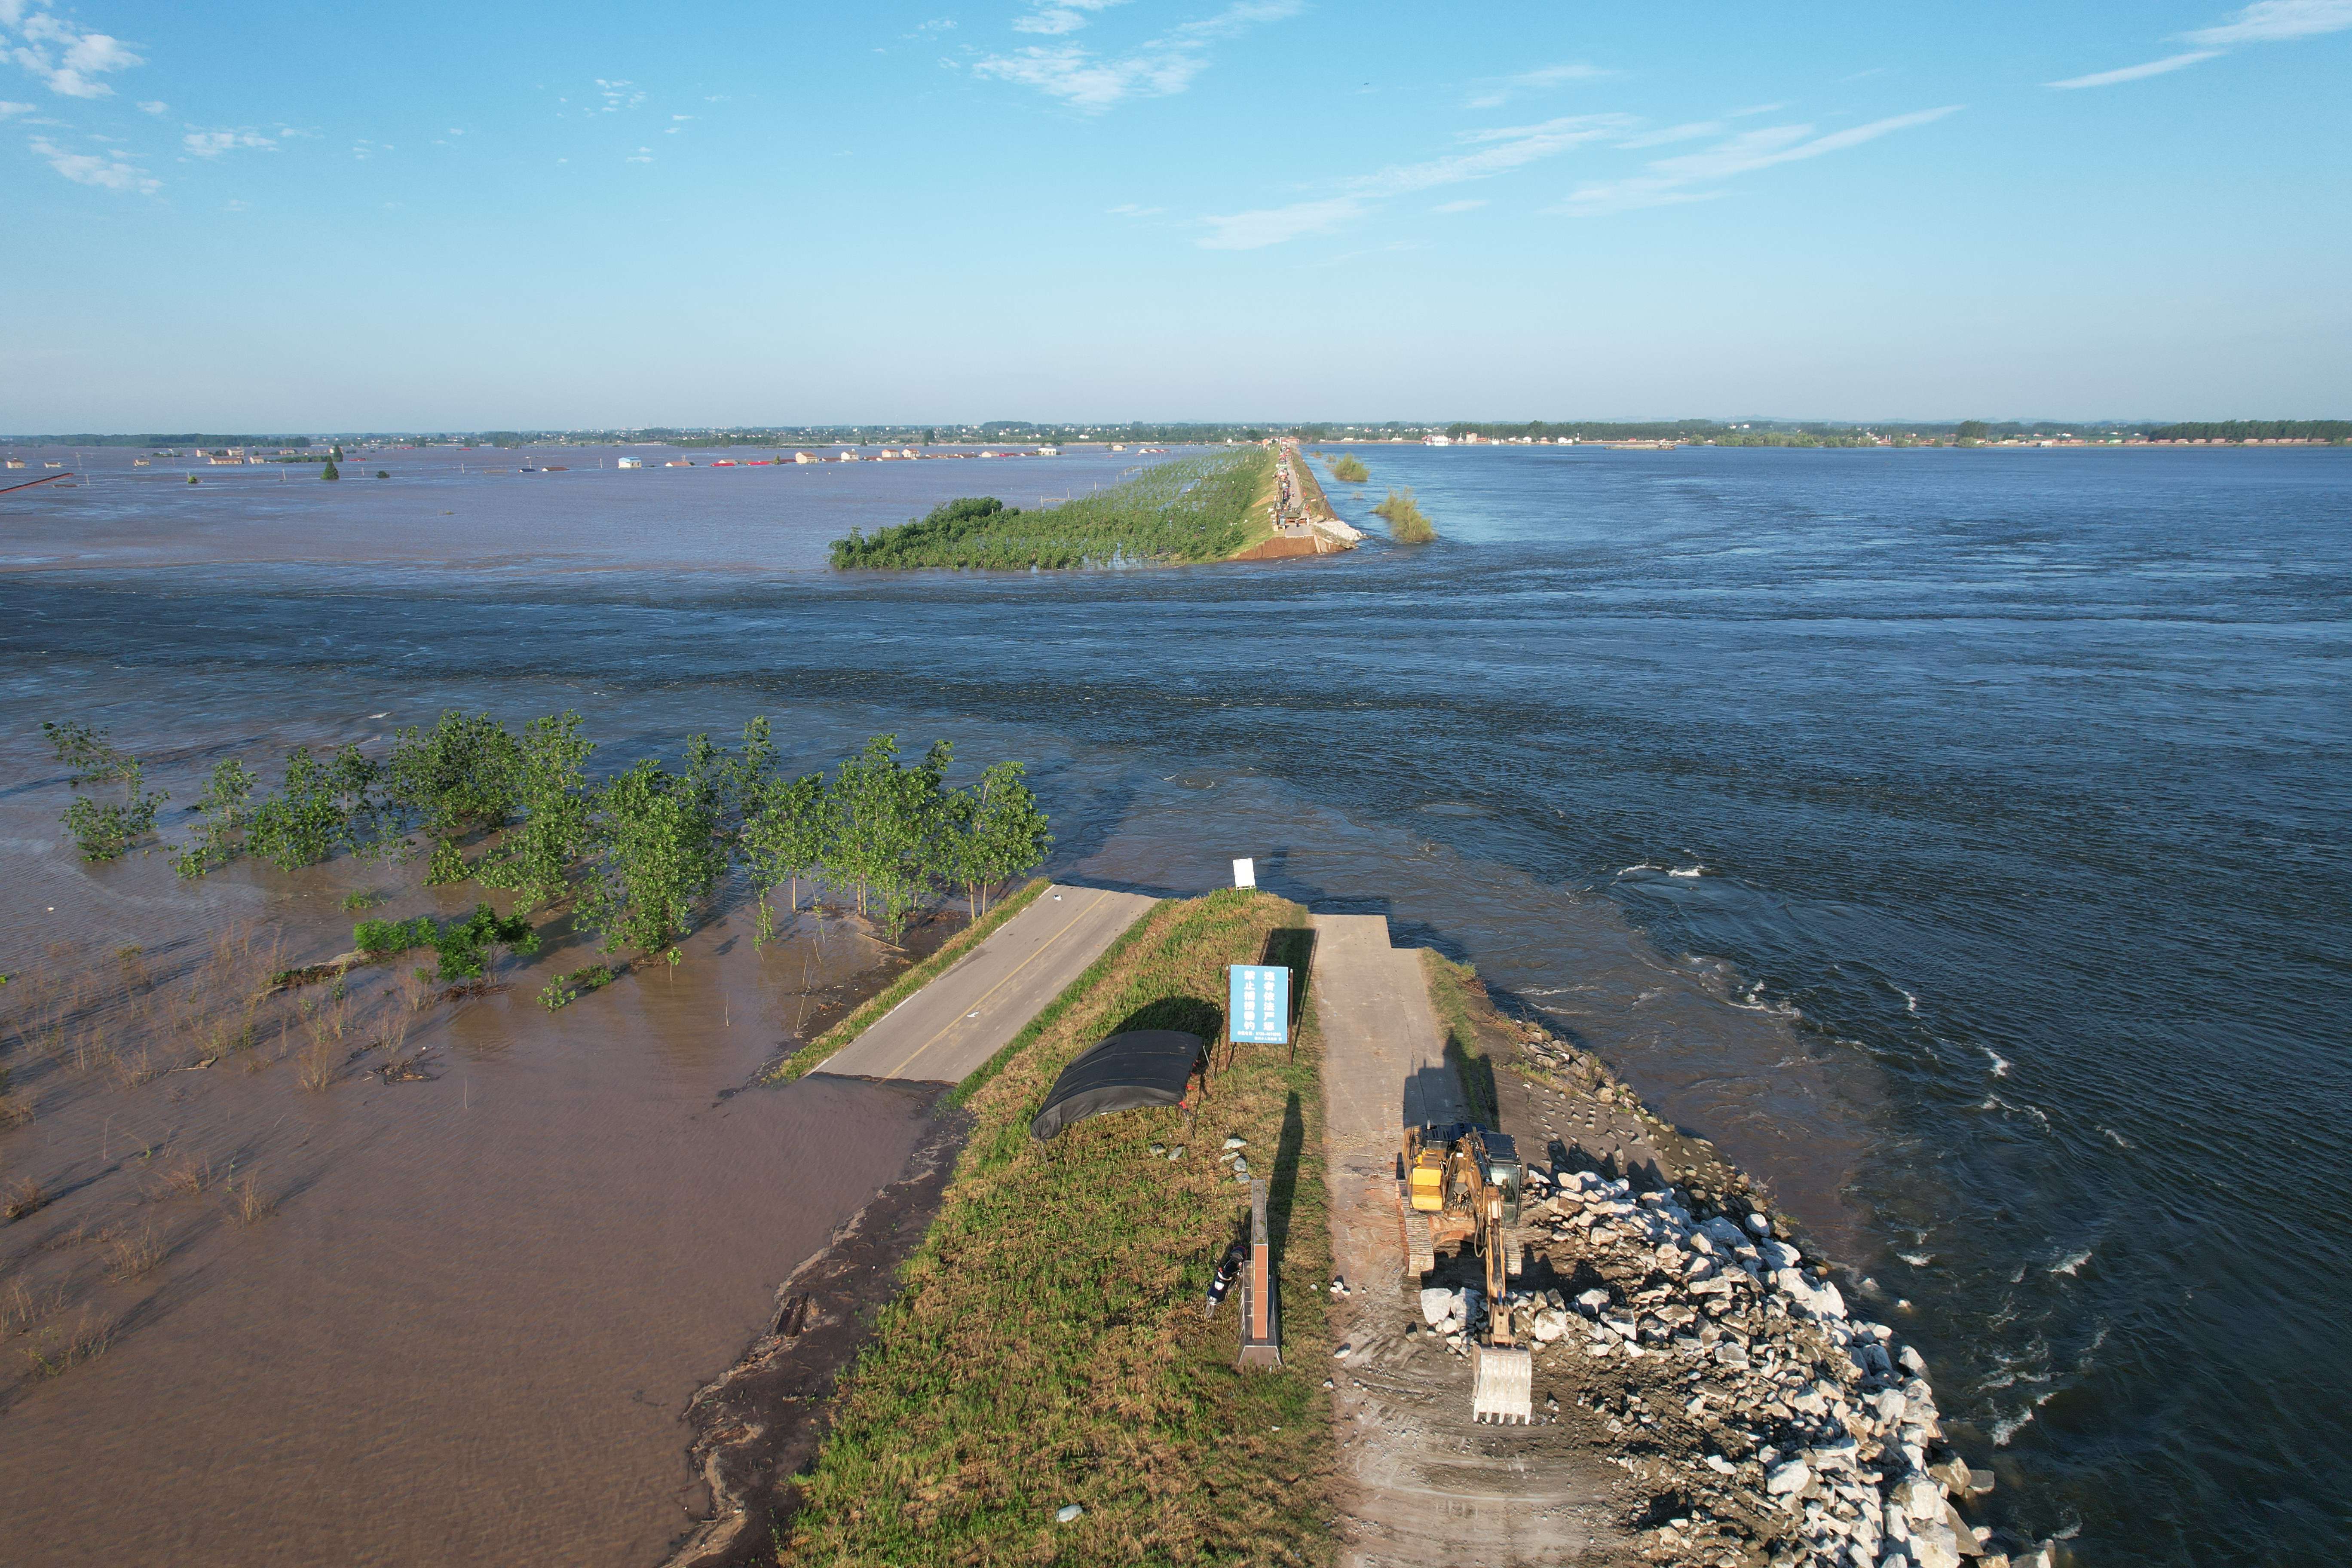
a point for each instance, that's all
(760, 1424)
(383, 1274)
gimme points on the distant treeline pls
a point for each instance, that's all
(2254, 430)
(1803, 433)
(188, 440)
(1194, 508)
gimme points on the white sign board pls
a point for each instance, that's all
(1244, 873)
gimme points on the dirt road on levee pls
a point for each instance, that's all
(1421, 1483)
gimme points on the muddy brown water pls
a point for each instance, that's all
(469, 1328)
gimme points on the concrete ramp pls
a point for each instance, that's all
(948, 1030)
(1386, 1052)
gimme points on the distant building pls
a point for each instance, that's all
(1437, 440)
(629, 463)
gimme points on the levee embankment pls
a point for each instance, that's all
(1047, 1386)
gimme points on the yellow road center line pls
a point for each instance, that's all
(1100, 894)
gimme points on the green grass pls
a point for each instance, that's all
(1049, 1347)
(1349, 470)
(1406, 524)
(1454, 996)
(1193, 508)
(863, 1017)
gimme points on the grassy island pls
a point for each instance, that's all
(1194, 508)
(1405, 519)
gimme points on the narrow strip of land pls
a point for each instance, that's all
(951, 1026)
(1420, 1481)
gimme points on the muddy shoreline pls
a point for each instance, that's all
(759, 1423)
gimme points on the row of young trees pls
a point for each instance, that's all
(636, 856)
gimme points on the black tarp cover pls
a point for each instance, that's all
(1150, 1067)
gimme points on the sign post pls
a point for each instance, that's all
(1258, 1005)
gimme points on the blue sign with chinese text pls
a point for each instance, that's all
(1258, 1011)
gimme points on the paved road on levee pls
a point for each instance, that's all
(1422, 1484)
(951, 1026)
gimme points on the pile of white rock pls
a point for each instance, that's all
(1799, 1407)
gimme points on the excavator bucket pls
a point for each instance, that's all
(1505, 1386)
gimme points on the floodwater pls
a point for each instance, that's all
(1958, 838)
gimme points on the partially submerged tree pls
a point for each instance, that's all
(103, 829)
(227, 804)
(535, 858)
(456, 779)
(322, 808)
(653, 855)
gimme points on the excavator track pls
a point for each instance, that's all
(1420, 1250)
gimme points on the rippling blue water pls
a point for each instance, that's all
(2015, 785)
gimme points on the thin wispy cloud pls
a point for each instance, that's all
(1693, 176)
(1129, 209)
(2134, 73)
(1067, 16)
(107, 171)
(2276, 22)
(1464, 206)
(154, 106)
(1494, 152)
(1497, 91)
(2265, 22)
(213, 143)
(1157, 67)
(1665, 135)
(65, 56)
(10, 110)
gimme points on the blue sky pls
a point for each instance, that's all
(266, 216)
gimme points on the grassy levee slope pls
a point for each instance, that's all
(1191, 508)
(1049, 1345)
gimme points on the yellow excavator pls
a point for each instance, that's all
(1462, 1185)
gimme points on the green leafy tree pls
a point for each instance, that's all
(330, 471)
(1006, 833)
(535, 860)
(653, 855)
(459, 778)
(469, 949)
(86, 752)
(322, 808)
(788, 833)
(1973, 430)
(226, 805)
(104, 830)
(888, 817)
